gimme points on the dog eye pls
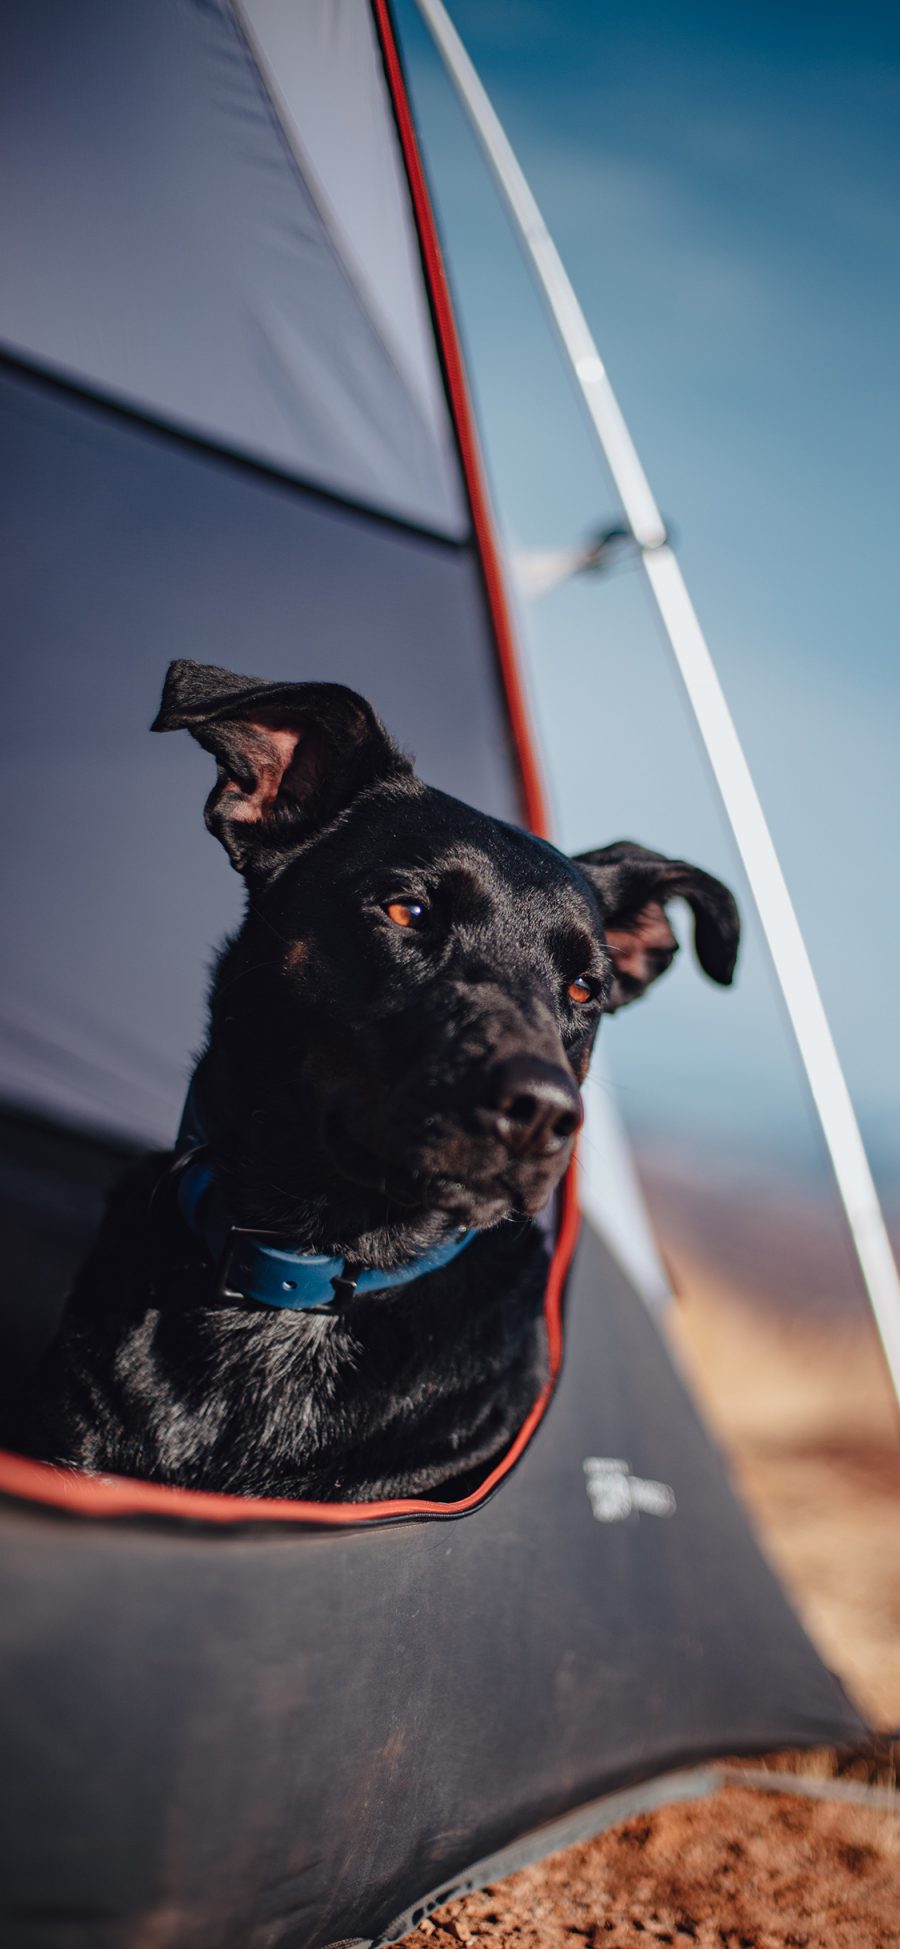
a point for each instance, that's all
(582, 990)
(405, 913)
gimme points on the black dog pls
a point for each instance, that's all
(398, 1033)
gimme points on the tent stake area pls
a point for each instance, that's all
(732, 773)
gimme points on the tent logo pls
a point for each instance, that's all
(614, 1493)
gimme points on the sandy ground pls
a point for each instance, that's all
(804, 1413)
(804, 1410)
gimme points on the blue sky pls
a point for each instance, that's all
(723, 185)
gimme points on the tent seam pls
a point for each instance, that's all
(309, 181)
(453, 372)
(93, 398)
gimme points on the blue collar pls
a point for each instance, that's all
(299, 1282)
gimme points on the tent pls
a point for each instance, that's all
(236, 426)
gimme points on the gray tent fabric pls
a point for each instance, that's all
(312, 57)
(225, 435)
(160, 240)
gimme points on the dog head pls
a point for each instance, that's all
(402, 1024)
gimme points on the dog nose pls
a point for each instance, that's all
(535, 1106)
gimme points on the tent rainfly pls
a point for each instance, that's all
(236, 427)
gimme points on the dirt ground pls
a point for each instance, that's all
(742, 1871)
(804, 1413)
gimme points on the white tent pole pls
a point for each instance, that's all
(779, 921)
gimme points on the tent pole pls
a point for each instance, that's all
(779, 921)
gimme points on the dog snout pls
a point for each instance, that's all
(533, 1107)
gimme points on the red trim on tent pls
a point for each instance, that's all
(120, 1495)
(464, 423)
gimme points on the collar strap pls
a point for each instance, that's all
(300, 1282)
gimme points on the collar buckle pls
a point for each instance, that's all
(222, 1287)
(227, 1290)
(344, 1285)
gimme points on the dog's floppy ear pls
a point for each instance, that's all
(289, 755)
(633, 886)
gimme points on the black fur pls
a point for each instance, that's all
(367, 1088)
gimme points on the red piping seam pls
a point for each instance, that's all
(119, 1495)
(457, 387)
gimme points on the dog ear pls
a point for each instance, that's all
(289, 756)
(633, 886)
